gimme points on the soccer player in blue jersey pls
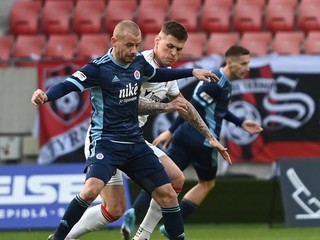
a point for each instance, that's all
(114, 81)
(188, 147)
(168, 46)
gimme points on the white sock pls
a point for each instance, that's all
(91, 220)
(150, 221)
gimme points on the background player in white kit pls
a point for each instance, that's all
(168, 46)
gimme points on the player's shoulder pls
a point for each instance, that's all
(104, 59)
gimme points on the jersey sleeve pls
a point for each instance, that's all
(87, 77)
(206, 93)
(173, 89)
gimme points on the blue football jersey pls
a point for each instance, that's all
(114, 91)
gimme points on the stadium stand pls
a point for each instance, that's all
(308, 17)
(6, 44)
(288, 42)
(56, 16)
(247, 17)
(148, 41)
(186, 12)
(312, 43)
(279, 17)
(218, 43)
(215, 16)
(259, 3)
(195, 45)
(117, 10)
(61, 47)
(257, 42)
(92, 45)
(87, 16)
(28, 48)
(151, 15)
(24, 17)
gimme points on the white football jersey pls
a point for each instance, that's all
(155, 92)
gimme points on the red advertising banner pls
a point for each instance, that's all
(64, 122)
(281, 93)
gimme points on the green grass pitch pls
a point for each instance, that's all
(193, 232)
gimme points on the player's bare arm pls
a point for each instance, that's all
(179, 104)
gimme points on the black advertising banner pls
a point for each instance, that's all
(300, 191)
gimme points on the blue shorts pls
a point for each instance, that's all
(137, 160)
(187, 147)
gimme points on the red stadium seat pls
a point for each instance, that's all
(312, 43)
(279, 16)
(93, 45)
(194, 46)
(308, 16)
(29, 47)
(218, 43)
(55, 17)
(148, 41)
(151, 15)
(287, 42)
(87, 16)
(260, 3)
(118, 10)
(257, 43)
(215, 19)
(247, 17)
(24, 17)
(289, 3)
(61, 47)
(6, 44)
(186, 12)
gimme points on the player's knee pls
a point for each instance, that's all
(208, 185)
(89, 194)
(177, 181)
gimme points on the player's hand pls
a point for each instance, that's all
(204, 75)
(179, 104)
(164, 139)
(221, 149)
(39, 97)
(251, 127)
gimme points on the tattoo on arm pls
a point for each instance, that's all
(147, 108)
(195, 120)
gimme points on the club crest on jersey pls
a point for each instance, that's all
(99, 156)
(136, 74)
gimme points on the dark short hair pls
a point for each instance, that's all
(235, 51)
(175, 29)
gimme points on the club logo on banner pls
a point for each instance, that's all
(64, 122)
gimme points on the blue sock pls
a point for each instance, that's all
(72, 215)
(187, 208)
(173, 223)
(142, 201)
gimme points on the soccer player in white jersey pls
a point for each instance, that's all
(168, 46)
